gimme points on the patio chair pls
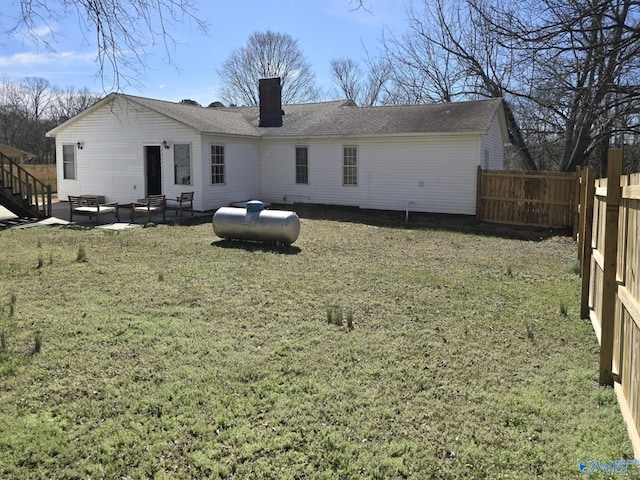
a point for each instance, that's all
(152, 205)
(90, 205)
(181, 203)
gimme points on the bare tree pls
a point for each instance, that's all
(583, 69)
(32, 107)
(365, 88)
(358, 4)
(13, 118)
(37, 95)
(450, 52)
(424, 68)
(569, 70)
(267, 54)
(70, 101)
(123, 30)
(347, 74)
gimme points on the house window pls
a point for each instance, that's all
(69, 162)
(182, 163)
(217, 164)
(302, 165)
(350, 166)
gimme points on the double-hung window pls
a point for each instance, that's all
(217, 164)
(182, 163)
(302, 165)
(350, 166)
(69, 162)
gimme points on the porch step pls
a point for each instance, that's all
(17, 222)
(32, 198)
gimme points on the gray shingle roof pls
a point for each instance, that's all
(349, 120)
(211, 120)
(328, 119)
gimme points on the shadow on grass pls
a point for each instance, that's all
(419, 220)
(396, 219)
(380, 218)
(258, 246)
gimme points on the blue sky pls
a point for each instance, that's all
(324, 29)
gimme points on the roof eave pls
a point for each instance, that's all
(378, 135)
(504, 129)
(234, 135)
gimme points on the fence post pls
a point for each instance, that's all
(11, 178)
(576, 203)
(48, 208)
(478, 193)
(609, 287)
(586, 233)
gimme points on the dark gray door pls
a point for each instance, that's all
(153, 170)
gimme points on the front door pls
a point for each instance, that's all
(153, 170)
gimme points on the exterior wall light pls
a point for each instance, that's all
(165, 144)
(80, 145)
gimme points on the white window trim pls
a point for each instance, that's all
(224, 164)
(295, 150)
(357, 166)
(190, 163)
(75, 161)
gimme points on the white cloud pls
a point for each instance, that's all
(34, 59)
(43, 31)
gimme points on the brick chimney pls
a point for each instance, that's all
(270, 92)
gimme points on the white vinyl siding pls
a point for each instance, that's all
(242, 171)
(426, 173)
(112, 164)
(435, 173)
(492, 146)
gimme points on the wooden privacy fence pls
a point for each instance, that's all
(45, 173)
(543, 199)
(609, 250)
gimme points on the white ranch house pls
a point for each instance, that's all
(422, 156)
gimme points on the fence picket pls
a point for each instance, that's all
(544, 199)
(611, 286)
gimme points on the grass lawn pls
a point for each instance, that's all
(168, 353)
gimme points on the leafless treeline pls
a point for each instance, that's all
(31, 107)
(570, 71)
